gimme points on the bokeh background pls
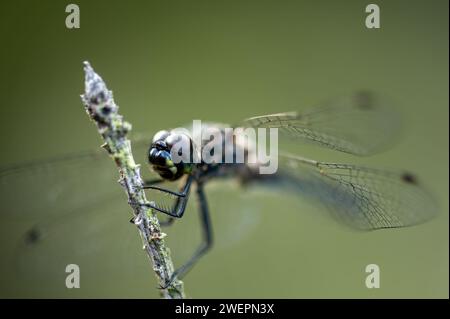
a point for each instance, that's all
(169, 62)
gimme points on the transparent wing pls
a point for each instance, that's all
(61, 184)
(360, 124)
(97, 236)
(363, 198)
(60, 211)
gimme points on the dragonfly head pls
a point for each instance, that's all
(160, 155)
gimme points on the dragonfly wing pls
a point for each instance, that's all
(359, 124)
(59, 185)
(97, 237)
(363, 198)
(65, 210)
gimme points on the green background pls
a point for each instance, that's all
(169, 62)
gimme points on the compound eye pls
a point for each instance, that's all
(161, 135)
(180, 146)
(171, 139)
(158, 157)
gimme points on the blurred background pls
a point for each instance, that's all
(169, 62)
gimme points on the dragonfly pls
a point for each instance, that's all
(362, 198)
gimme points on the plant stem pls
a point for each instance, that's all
(100, 106)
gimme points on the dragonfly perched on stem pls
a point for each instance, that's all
(360, 197)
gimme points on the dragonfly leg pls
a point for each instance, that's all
(180, 205)
(154, 181)
(207, 238)
(168, 191)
